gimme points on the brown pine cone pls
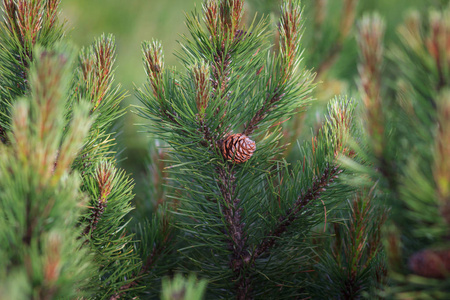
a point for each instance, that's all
(238, 148)
(431, 263)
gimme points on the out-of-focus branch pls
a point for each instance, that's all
(347, 21)
(370, 42)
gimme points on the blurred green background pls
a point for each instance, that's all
(131, 22)
(134, 21)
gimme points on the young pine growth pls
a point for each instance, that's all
(244, 216)
(26, 24)
(63, 198)
(40, 201)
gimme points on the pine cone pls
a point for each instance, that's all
(238, 148)
(431, 263)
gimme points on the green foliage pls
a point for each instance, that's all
(40, 199)
(60, 143)
(94, 82)
(405, 150)
(231, 200)
(352, 258)
(18, 37)
(111, 190)
(245, 227)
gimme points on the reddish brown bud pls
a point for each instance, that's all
(154, 66)
(104, 176)
(202, 86)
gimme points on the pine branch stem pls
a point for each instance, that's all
(97, 213)
(240, 257)
(221, 72)
(221, 77)
(262, 112)
(208, 139)
(292, 214)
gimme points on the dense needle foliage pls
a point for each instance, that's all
(244, 202)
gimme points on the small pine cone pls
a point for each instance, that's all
(431, 263)
(238, 148)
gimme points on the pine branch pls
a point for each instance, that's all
(96, 66)
(95, 83)
(109, 188)
(230, 16)
(39, 193)
(26, 24)
(364, 243)
(223, 21)
(290, 35)
(230, 13)
(319, 185)
(370, 42)
(157, 251)
(154, 67)
(225, 87)
(347, 20)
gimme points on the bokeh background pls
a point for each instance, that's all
(133, 21)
